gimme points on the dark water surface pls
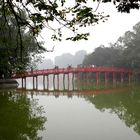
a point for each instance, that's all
(109, 114)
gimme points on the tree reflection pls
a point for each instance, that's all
(125, 104)
(20, 117)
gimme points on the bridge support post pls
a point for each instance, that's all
(87, 76)
(35, 87)
(33, 82)
(25, 82)
(114, 77)
(44, 82)
(47, 82)
(97, 78)
(129, 77)
(58, 81)
(36, 82)
(77, 80)
(22, 81)
(122, 77)
(73, 81)
(68, 81)
(87, 80)
(92, 77)
(106, 77)
(54, 82)
(64, 81)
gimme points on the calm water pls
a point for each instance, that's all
(107, 114)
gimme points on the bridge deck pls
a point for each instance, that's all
(71, 70)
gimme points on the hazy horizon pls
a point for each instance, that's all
(63, 60)
(100, 34)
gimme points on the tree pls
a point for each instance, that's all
(26, 18)
(130, 41)
(103, 56)
(42, 13)
(125, 52)
(10, 60)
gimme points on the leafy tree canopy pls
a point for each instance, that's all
(69, 14)
(103, 56)
(130, 42)
(125, 52)
(23, 20)
(11, 53)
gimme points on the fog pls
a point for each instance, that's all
(63, 60)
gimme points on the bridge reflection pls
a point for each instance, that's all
(70, 94)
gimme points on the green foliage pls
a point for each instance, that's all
(131, 43)
(74, 14)
(103, 56)
(79, 37)
(33, 15)
(12, 57)
(20, 117)
(125, 5)
(124, 53)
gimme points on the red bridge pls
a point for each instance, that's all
(114, 72)
(72, 70)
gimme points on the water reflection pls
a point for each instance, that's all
(71, 93)
(123, 101)
(20, 117)
(109, 114)
(125, 104)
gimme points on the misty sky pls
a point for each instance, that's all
(103, 33)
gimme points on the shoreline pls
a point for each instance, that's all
(8, 83)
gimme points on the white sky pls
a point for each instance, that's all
(103, 33)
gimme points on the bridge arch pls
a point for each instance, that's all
(109, 73)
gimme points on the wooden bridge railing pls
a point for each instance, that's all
(71, 70)
(107, 71)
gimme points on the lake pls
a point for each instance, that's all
(111, 113)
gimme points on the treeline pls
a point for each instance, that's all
(125, 52)
(13, 58)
